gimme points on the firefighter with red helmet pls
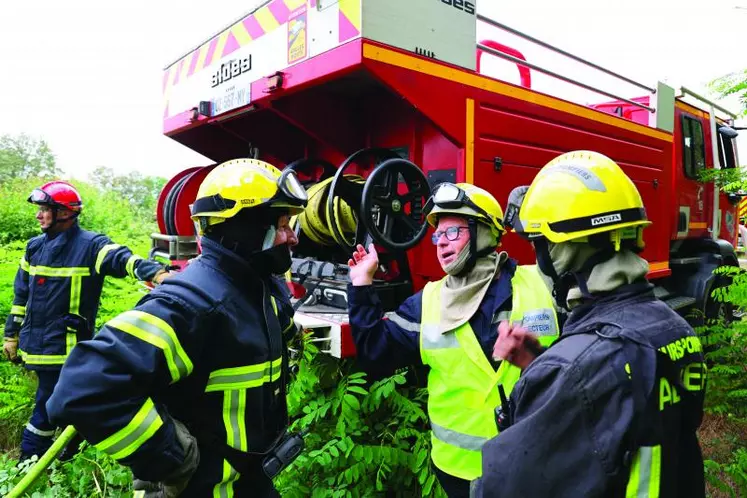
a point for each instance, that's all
(57, 291)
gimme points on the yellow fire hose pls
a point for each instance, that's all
(44, 462)
(314, 222)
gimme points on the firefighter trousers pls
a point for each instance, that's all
(39, 433)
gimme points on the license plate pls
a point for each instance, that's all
(233, 98)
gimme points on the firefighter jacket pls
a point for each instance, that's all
(206, 347)
(58, 288)
(610, 410)
(462, 379)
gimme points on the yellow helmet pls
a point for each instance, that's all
(245, 184)
(466, 200)
(582, 193)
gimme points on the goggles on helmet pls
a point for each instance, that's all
(38, 196)
(290, 192)
(449, 196)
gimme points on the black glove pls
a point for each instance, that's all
(173, 485)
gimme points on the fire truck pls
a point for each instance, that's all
(374, 102)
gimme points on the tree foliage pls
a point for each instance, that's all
(23, 157)
(140, 191)
(732, 84)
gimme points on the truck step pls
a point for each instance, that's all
(680, 302)
(661, 293)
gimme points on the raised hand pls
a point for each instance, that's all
(363, 265)
(515, 344)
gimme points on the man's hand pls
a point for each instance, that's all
(516, 345)
(363, 265)
(175, 484)
(10, 348)
(160, 276)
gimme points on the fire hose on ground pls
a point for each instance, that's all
(44, 462)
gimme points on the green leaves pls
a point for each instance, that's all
(366, 438)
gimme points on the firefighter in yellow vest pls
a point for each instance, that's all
(452, 326)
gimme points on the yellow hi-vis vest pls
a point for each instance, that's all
(462, 384)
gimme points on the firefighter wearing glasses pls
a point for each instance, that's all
(201, 361)
(452, 325)
(612, 408)
(57, 291)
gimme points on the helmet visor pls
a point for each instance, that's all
(513, 206)
(39, 196)
(291, 187)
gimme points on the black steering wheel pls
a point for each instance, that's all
(313, 170)
(395, 220)
(351, 193)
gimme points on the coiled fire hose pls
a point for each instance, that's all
(315, 223)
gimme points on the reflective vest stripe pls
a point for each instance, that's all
(25, 264)
(274, 305)
(42, 359)
(645, 474)
(48, 271)
(71, 339)
(501, 317)
(227, 379)
(18, 310)
(432, 338)
(234, 421)
(234, 418)
(76, 283)
(155, 331)
(130, 266)
(127, 440)
(404, 323)
(39, 432)
(102, 255)
(454, 438)
(224, 489)
(291, 324)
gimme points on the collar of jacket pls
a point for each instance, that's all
(56, 244)
(231, 263)
(595, 311)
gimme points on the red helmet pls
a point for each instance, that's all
(57, 194)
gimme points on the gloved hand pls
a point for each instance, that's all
(10, 348)
(160, 276)
(173, 485)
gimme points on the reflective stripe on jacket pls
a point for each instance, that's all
(57, 291)
(610, 410)
(208, 348)
(462, 384)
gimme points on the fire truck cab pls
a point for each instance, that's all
(374, 102)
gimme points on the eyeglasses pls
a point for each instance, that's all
(452, 233)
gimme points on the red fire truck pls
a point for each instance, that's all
(375, 102)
